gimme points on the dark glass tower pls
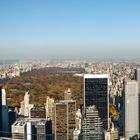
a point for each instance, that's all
(96, 93)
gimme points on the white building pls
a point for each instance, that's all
(67, 94)
(29, 129)
(50, 107)
(130, 109)
(77, 131)
(27, 104)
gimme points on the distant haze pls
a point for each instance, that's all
(69, 29)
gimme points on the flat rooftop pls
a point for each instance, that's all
(96, 76)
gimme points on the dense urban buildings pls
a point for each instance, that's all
(108, 107)
(32, 129)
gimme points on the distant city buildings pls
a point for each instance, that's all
(13, 70)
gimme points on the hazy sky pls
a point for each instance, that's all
(41, 29)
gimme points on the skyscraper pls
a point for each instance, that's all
(137, 78)
(130, 109)
(0, 112)
(77, 131)
(4, 116)
(61, 121)
(92, 126)
(96, 93)
(27, 104)
(12, 118)
(50, 110)
(65, 119)
(137, 74)
(49, 107)
(41, 130)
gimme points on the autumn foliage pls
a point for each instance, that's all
(42, 83)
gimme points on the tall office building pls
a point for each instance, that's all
(96, 93)
(65, 119)
(41, 130)
(137, 74)
(0, 112)
(61, 116)
(12, 119)
(137, 78)
(92, 126)
(27, 104)
(50, 107)
(50, 110)
(77, 131)
(130, 109)
(19, 131)
(4, 117)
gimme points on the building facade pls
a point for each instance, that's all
(96, 93)
(92, 126)
(38, 112)
(0, 112)
(32, 129)
(4, 116)
(130, 109)
(67, 94)
(65, 119)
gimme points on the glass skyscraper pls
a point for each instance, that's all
(96, 93)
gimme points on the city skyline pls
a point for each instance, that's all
(73, 29)
(70, 100)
